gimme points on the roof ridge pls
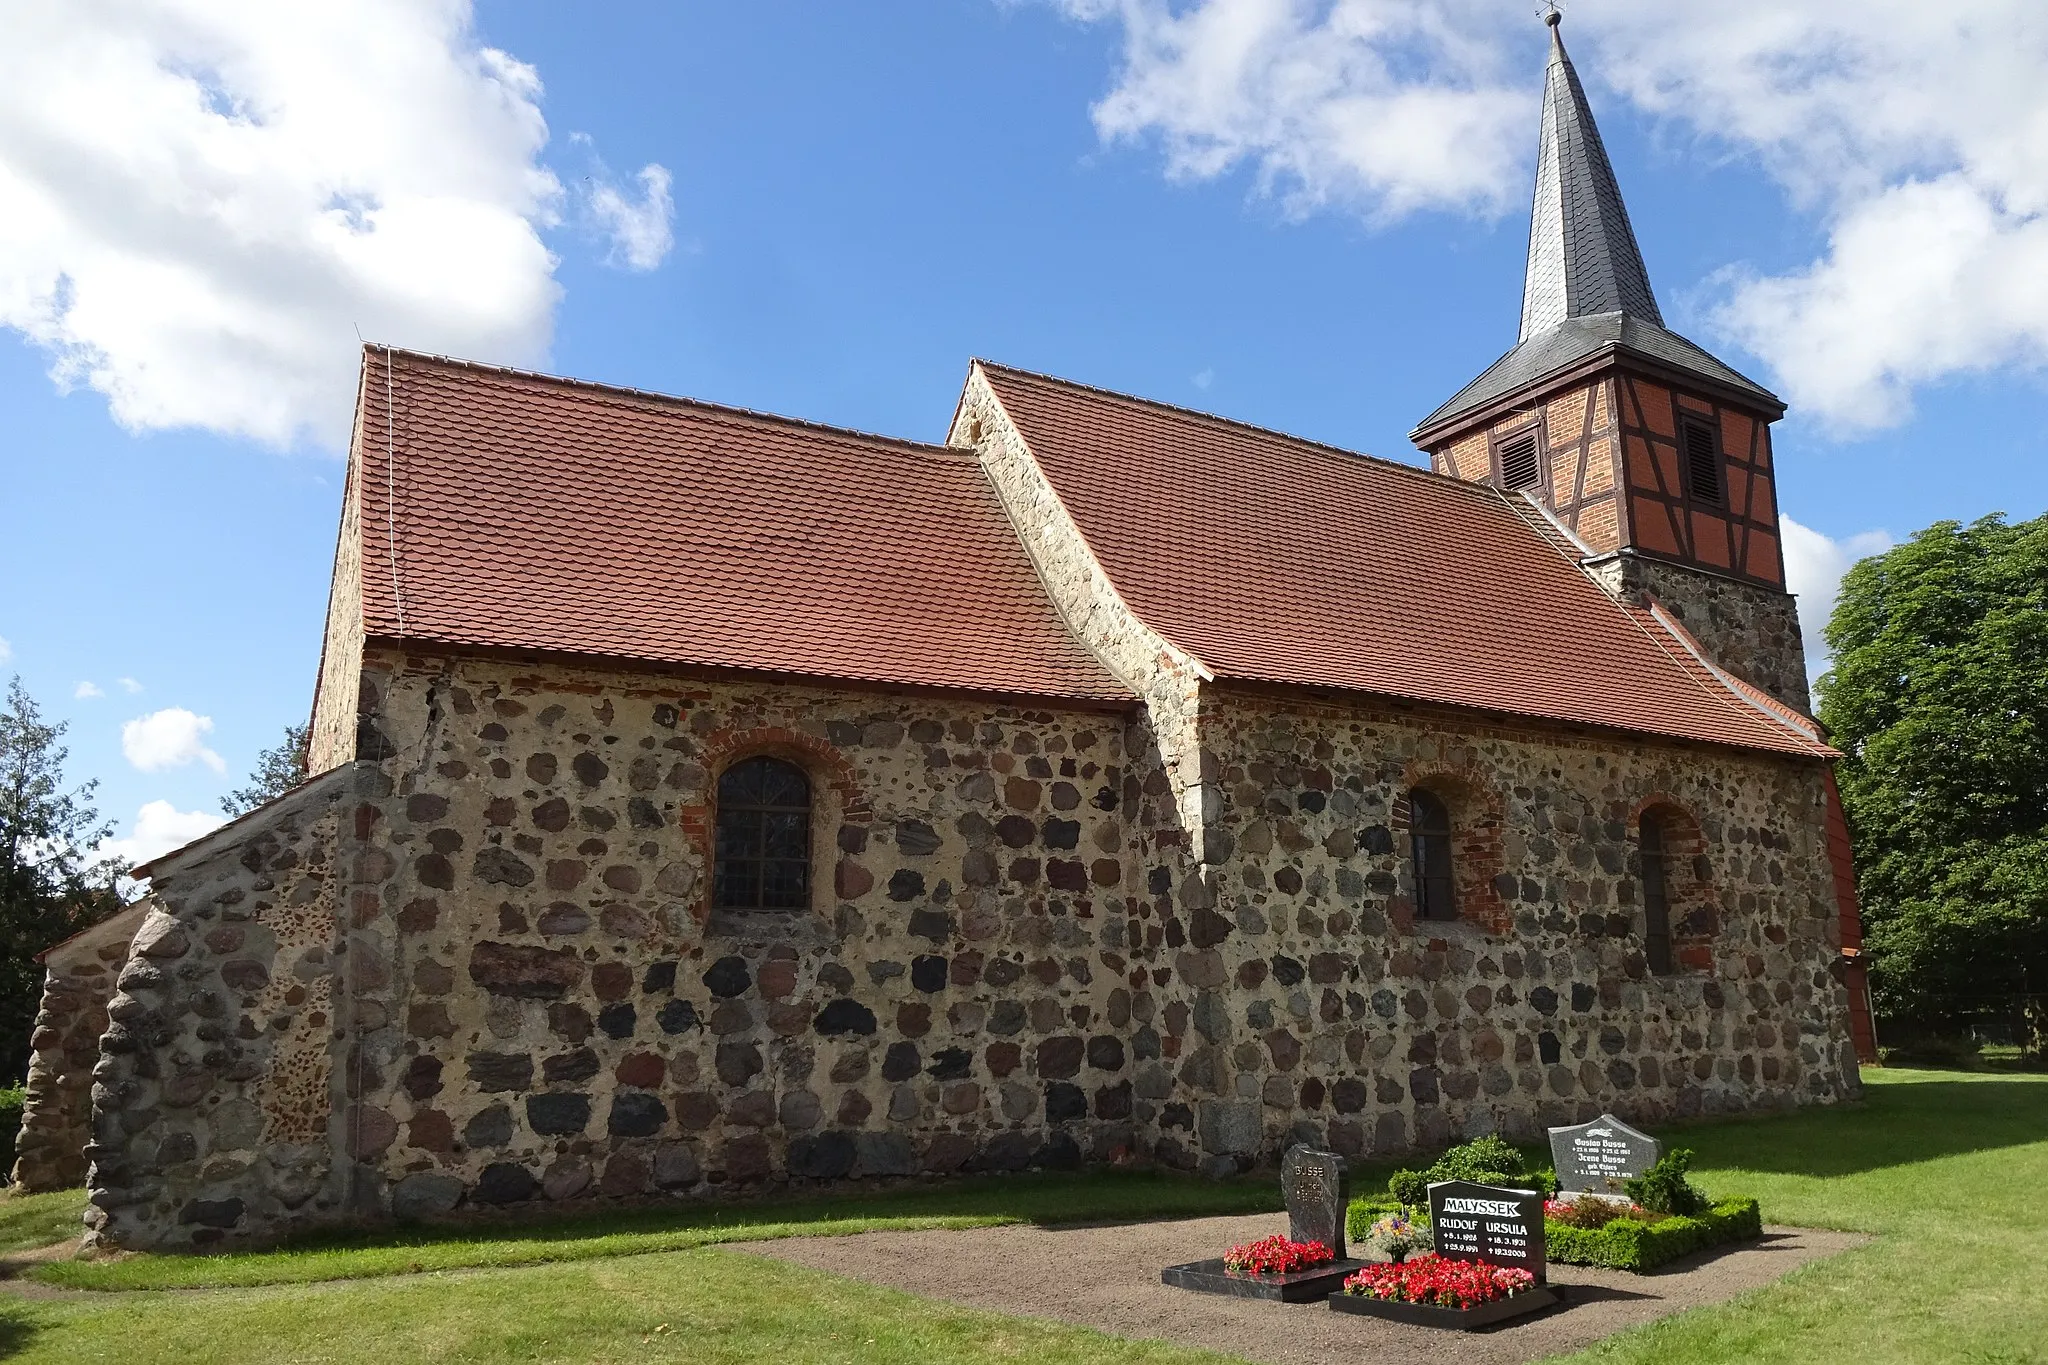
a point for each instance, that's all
(1385, 462)
(952, 454)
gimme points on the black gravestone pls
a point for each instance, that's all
(1474, 1222)
(1597, 1157)
(1318, 1190)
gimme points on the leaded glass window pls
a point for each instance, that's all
(1429, 833)
(763, 857)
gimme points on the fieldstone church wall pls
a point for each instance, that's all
(1748, 629)
(216, 1104)
(570, 1018)
(1311, 1005)
(56, 1120)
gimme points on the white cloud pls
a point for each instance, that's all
(6, 650)
(86, 691)
(1917, 135)
(130, 686)
(205, 198)
(1814, 565)
(1386, 105)
(641, 230)
(1203, 377)
(169, 738)
(157, 828)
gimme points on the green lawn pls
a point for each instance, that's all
(36, 1220)
(1948, 1169)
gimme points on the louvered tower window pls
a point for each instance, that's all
(1702, 462)
(1518, 464)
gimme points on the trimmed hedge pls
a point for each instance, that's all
(1364, 1211)
(1626, 1244)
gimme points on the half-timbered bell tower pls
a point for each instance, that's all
(1652, 453)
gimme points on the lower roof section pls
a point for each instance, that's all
(507, 510)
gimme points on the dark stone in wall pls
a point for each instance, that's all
(1547, 1048)
(906, 884)
(677, 1016)
(490, 1127)
(728, 977)
(659, 979)
(935, 925)
(952, 1064)
(845, 1016)
(828, 1156)
(1059, 1058)
(569, 1067)
(618, 1021)
(500, 1070)
(1544, 999)
(928, 974)
(1064, 1102)
(500, 866)
(558, 1115)
(916, 839)
(901, 1062)
(212, 1213)
(635, 1114)
(524, 971)
(505, 1182)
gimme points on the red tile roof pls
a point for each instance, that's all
(540, 513)
(1275, 559)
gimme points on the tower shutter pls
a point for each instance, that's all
(1702, 463)
(1518, 466)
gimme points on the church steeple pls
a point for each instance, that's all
(1583, 257)
(1652, 454)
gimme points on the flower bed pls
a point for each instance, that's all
(1431, 1291)
(1276, 1255)
(1629, 1243)
(1439, 1282)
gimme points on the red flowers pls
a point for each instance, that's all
(1276, 1255)
(1433, 1280)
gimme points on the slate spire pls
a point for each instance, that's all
(1583, 257)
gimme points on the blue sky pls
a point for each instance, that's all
(825, 210)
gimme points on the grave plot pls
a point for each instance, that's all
(1308, 1263)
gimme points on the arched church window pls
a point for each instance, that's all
(762, 857)
(1650, 847)
(1429, 835)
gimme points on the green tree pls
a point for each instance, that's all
(277, 771)
(1939, 700)
(50, 885)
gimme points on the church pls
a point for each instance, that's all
(707, 801)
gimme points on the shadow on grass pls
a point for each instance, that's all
(1042, 1198)
(1907, 1121)
(16, 1330)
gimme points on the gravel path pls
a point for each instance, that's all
(1108, 1277)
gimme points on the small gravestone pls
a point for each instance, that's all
(1318, 1191)
(1500, 1226)
(1598, 1157)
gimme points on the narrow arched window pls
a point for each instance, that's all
(1656, 896)
(1429, 835)
(763, 856)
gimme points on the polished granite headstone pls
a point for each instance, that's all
(1318, 1191)
(1317, 1188)
(1474, 1222)
(1598, 1157)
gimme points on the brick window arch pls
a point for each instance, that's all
(1675, 883)
(761, 848)
(1455, 810)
